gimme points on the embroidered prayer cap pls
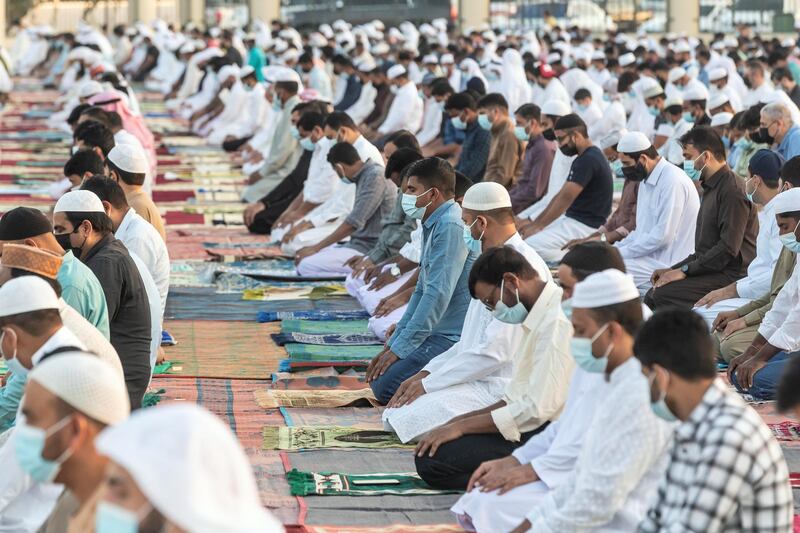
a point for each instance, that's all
(367, 65)
(26, 294)
(682, 47)
(721, 119)
(86, 383)
(556, 108)
(717, 74)
(396, 71)
(79, 202)
(600, 289)
(23, 223)
(787, 201)
(485, 196)
(278, 74)
(227, 71)
(553, 57)
(719, 99)
(31, 259)
(129, 157)
(675, 74)
(633, 142)
(210, 486)
(695, 92)
(627, 59)
(765, 163)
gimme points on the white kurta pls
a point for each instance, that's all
(364, 105)
(781, 325)
(431, 122)
(471, 374)
(622, 459)
(559, 171)
(759, 94)
(322, 180)
(405, 113)
(552, 454)
(555, 90)
(666, 216)
(141, 238)
(613, 119)
(153, 301)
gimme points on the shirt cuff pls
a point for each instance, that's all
(506, 424)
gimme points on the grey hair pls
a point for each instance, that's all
(776, 111)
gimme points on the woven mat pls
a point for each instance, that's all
(359, 417)
(320, 383)
(315, 352)
(310, 437)
(322, 327)
(275, 398)
(240, 350)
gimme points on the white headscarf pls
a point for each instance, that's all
(470, 69)
(514, 85)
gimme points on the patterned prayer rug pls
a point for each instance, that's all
(352, 314)
(331, 483)
(324, 327)
(288, 365)
(306, 437)
(305, 383)
(313, 352)
(351, 339)
(360, 417)
(275, 398)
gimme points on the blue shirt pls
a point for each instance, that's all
(10, 396)
(441, 297)
(81, 289)
(255, 58)
(474, 152)
(451, 134)
(790, 145)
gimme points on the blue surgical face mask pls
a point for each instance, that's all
(458, 123)
(307, 143)
(295, 133)
(29, 443)
(409, 204)
(440, 106)
(515, 314)
(687, 116)
(582, 353)
(616, 168)
(749, 195)
(688, 167)
(726, 141)
(484, 122)
(606, 97)
(743, 142)
(521, 134)
(111, 518)
(660, 407)
(582, 107)
(653, 110)
(13, 364)
(473, 244)
(789, 240)
(566, 306)
(276, 103)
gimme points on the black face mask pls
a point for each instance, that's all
(635, 173)
(764, 136)
(549, 134)
(568, 149)
(64, 242)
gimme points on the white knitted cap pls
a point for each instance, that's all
(79, 202)
(604, 288)
(26, 294)
(485, 196)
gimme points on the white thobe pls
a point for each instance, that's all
(575, 79)
(559, 171)
(141, 238)
(125, 137)
(613, 119)
(552, 454)
(473, 373)
(781, 324)
(666, 217)
(431, 122)
(322, 180)
(762, 93)
(154, 302)
(598, 76)
(759, 272)
(591, 115)
(622, 459)
(672, 150)
(733, 96)
(405, 113)
(364, 105)
(555, 90)
(247, 119)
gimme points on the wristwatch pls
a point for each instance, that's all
(395, 271)
(685, 269)
(603, 237)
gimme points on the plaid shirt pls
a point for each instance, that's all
(726, 473)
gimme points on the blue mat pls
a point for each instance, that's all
(347, 310)
(337, 339)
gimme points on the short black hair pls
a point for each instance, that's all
(340, 119)
(400, 160)
(76, 112)
(100, 222)
(677, 340)
(463, 183)
(403, 139)
(592, 256)
(310, 120)
(789, 386)
(571, 122)
(114, 119)
(493, 100)
(781, 73)
(435, 172)
(441, 87)
(35, 323)
(288, 86)
(582, 93)
(460, 101)
(626, 314)
(790, 171)
(107, 190)
(529, 112)
(305, 57)
(344, 154)
(494, 262)
(95, 135)
(98, 114)
(129, 178)
(84, 161)
(651, 152)
(705, 139)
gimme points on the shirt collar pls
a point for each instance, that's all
(655, 175)
(127, 221)
(102, 243)
(790, 133)
(62, 337)
(715, 178)
(713, 395)
(436, 215)
(515, 241)
(501, 125)
(543, 304)
(627, 371)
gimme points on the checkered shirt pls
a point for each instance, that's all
(726, 473)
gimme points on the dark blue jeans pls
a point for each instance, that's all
(385, 386)
(765, 382)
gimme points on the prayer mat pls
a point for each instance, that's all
(786, 431)
(151, 398)
(325, 327)
(313, 292)
(353, 314)
(165, 367)
(311, 383)
(238, 350)
(275, 269)
(167, 339)
(306, 437)
(360, 417)
(348, 339)
(274, 398)
(312, 352)
(244, 252)
(331, 483)
(397, 528)
(289, 365)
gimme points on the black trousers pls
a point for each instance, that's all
(685, 293)
(232, 146)
(281, 196)
(455, 462)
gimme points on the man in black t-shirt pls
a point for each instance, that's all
(583, 203)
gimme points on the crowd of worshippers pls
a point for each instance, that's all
(551, 348)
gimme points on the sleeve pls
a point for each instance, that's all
(503, 160)
(336, 207)
(668, 207)
(781, 307)
(623, 219)
(76, 299)
(760, 271)
(281, 148)
(537, 445)
(394, 119)
(10, 397)
(110, 279)
(609, 471)
(412, 250)
(437, 363)
(369, 195)
(734, 216)
(546, 394)
(442, 270)
(322, 184)
(396, 232)
(475, 154)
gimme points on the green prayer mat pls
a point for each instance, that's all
(321, 352)
(152, 398)
(379, 484)
(307, 437)
(163, 368)
(324, 326)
